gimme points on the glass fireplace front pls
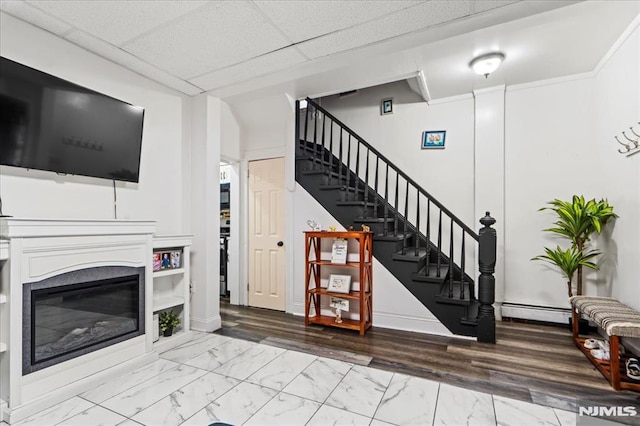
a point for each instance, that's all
(71, 315)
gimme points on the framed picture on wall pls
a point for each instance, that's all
(386, 106)
(433, 139)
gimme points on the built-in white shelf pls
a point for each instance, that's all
(167, 272)
(174, 291)
(167, 302)
(3, 299)
(3, 347)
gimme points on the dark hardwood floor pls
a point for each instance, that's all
(531, 362)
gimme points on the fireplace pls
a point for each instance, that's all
(78, 312)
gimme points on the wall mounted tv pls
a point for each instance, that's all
(48, 123)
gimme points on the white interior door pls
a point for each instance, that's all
(266, 234)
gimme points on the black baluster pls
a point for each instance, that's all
(366, 184)
(417, 252)
(462, 261)
(340, 165)
(348, 171)
(330, 150)
(315, 137)
(395, 206)
(306, 128)
(375, 195)
(406, 219)
(428, 236)
(356, 183)
(439, 244)
(322, 148)
(297, 129)
(386, 199)
(451, 260)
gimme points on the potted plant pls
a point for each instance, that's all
(168, 321)
(568, 261)
(577, 220)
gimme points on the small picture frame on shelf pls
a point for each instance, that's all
(339, 251)
(165, 260)
(175, 259)
(339, 283)
(157, 261)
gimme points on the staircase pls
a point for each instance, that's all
(424, 245)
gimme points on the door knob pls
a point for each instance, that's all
(280, 243)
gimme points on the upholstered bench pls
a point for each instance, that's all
(616, 320)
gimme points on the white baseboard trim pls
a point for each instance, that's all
(400, 322)
(415, 324)
(206, 325)
(536, 313)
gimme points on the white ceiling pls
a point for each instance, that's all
(234, 49)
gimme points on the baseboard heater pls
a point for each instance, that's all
(536, 313)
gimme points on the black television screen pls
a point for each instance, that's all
(48, 123)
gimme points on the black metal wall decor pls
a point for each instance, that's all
(633, 143)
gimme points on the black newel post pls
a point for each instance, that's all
(487, 282)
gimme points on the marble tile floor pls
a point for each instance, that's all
(218, 378)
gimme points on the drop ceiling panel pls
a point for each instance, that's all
(129, 61)
(392, 25)
(217, 36)
(117, 21)
(302, 20)
(35, 16)
(260, 66)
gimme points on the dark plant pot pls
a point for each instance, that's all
(583, 325)
(168, 332)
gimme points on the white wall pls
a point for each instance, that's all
(230, 148)
(616, 98)
(263, 127)
(549, 153)
(42, 194)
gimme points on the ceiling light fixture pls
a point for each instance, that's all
(486, 64)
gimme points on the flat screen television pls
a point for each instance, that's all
(48, 123)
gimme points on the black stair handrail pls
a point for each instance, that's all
(413, 183)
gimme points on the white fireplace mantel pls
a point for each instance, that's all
(36, 249)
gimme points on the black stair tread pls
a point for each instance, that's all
(410, 255)
(432, 277)
(444, 296)
(373, 220)
(352, 203)
(328, 187)
(472, 314)
(391, 237)
(314, 172)
(340, 186)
